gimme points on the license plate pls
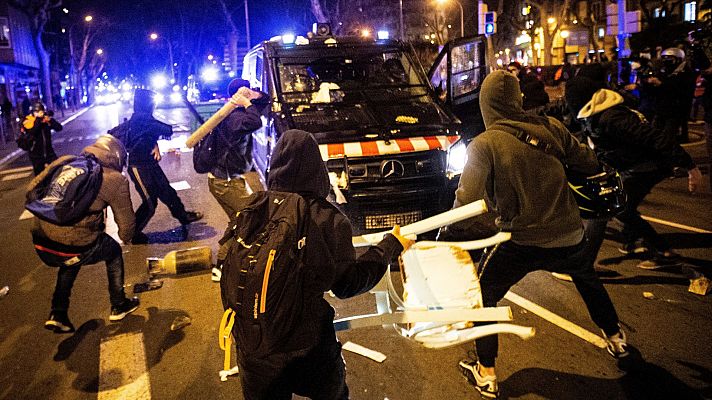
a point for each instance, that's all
(388, 220)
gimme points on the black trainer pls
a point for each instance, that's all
(126, 308)
(192, 216)
(58, 322)
(486, 385)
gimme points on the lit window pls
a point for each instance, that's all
(601, 32)
(4, 33)
(690, 11)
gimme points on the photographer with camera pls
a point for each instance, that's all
(36, 136)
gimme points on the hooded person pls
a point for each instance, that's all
(532, 88)
(140, 135)
(527, 191)
(310, 362)
(231, 152)
(85, 242)
(38, 125)
(642, 154)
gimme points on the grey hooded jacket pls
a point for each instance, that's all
(526, 188)
(114, 192)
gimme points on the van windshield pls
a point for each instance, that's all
(379, 77)
(373, 87)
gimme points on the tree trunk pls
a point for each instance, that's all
(318, 11)
(45, 78)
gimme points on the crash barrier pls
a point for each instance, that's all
(441, 297)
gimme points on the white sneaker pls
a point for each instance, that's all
(617, 345)
(216, 274)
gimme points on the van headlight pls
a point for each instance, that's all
(456, 159)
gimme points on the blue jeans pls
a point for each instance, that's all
(505, 265)
(105, 249)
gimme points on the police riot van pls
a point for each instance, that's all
(392, 145)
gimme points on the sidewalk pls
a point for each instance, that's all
(8, 148)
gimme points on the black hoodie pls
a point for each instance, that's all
(297, 167)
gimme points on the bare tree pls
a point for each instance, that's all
(232, 36)
(38, 12)
(560, 11)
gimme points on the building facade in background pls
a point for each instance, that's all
(19, 66)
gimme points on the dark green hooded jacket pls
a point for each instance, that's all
(525, 187)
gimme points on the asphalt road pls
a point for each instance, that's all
(144, 357)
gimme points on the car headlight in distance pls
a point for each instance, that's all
(456, 159)
(176, 97)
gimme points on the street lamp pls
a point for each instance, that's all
(401, 20)
(154, 36)
(99, 51)
(88, 18)
(462, 15)
(564, 34)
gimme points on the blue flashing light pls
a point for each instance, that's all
(209, 74)
(288, 38)
(383, 35)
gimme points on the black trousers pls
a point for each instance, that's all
(152, 185)
(637, 185)
(504, 265)
(318, 373)
(105, 249)
(39, 163)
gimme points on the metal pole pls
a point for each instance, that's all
(170, 57)
(247, 25)
(462, 19)
(402, 36)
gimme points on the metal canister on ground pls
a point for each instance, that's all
(179, 262)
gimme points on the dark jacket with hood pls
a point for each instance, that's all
(297, 167)
(625, 140)
(114, 192)
(40, 129)
(234, 139)
(524, 186)
(140, 134)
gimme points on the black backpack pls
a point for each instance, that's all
(263, 275)
(204, 157)
(66, 193)
(25, 140)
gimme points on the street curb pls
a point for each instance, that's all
(10, 157)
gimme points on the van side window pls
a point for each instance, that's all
(468, 68)
(259, 73)
(439, 79)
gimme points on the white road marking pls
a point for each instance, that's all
(556, 320)
(16, 170)
(122, 368)
(26, 215)
(180, 185)
(675, 224)
(16, 176)
(75, 116)
(10, 156)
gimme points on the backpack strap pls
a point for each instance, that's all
(225, 335)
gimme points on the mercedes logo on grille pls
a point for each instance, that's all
(392, 169)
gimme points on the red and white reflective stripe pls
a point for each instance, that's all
(379, 147)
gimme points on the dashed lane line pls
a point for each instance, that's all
(19, 175)
(123, 373)
(180, 185)
(675, 224)
(16, 170)
(556, 319)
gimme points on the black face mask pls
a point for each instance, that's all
(669, 65)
